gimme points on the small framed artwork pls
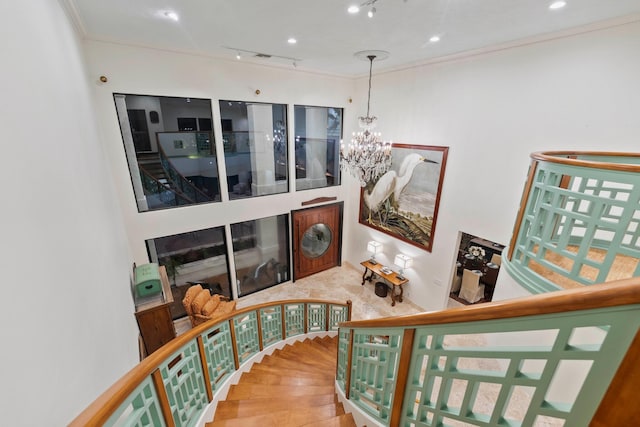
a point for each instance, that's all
(404, 201)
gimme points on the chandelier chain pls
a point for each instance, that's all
(371, 58)
(367, 157)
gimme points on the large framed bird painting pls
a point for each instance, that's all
(404, 201)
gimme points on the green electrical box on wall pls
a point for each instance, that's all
(147, 279)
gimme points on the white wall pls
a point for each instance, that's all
(67, 314)
(493, 110)
(153, 72)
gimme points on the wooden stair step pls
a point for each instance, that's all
(294, 386)
(304, 354)
(344, 420)
(227, 409)
(314, 348)
(278, 370)
(309, 359)
(328, 342)
(249, 391)
(294, 364)
(275, 379)
(295, 417)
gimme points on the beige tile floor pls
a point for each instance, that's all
(344, 283)
(338, 284)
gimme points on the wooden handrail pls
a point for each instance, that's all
(99, 411)
(610, 294)
(523, 204)
(551, 156)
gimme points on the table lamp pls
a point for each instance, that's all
(403, 262)
(374, 247)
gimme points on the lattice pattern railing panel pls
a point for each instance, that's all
(545, 370)
(375, 357)
(316, 317)
(294, 319)
(140, 409)
(337, 314)
(176, 387)
(246, 330)
(184, 383)
(343, 348)
(218, 348)
(271, 319)
(581, 225)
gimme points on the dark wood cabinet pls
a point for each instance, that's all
(154, 317)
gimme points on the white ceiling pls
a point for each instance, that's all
(328, 36)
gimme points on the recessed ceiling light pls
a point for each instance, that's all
(171, 15)
(434, 39)
(353, 9)
(557, 5)
(292, 41)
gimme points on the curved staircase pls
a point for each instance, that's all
(293, 386)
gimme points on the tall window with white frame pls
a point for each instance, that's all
(194, 257)
(318, 131)
(255, 148)
(170, 150)
(261, 253)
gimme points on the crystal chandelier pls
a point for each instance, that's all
(367, 157)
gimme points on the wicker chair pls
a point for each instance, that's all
(201, 306)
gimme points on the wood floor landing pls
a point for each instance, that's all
(293, 386)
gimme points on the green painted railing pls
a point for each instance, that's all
(579, 221)
(542, 360)
(175, 384)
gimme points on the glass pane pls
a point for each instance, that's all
(255, 148)
(261, 253)
(190, 258)
(318, 135)
(170, 150)
(316, 240)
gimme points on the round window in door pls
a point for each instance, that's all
(316, 240)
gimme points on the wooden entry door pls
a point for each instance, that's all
(317, 239)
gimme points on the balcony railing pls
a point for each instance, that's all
(175, 384)
(579, 221)
(182, 184)
(543, 360)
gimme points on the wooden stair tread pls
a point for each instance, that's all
(305, 363)
(294, 386)
(312, 348)
(293, 363)
(295, 417)
(344, 420)
(292, 415)
(227, 409)
(278, 370)
(247, 391)
(290, 380)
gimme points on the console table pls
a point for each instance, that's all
(390, 278)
